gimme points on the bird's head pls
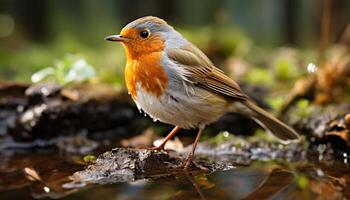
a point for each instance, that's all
(146, 35)
(142, 36)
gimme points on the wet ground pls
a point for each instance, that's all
(63, 140)
(44, 173)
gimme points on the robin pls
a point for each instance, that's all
(174, 82)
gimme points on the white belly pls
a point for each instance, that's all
(187, 109)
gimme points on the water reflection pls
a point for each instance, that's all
(41, 174)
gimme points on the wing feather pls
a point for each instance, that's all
(203, 73)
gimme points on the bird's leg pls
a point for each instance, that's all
(167, 138)
(191, 154)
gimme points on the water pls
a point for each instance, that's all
(47, 169)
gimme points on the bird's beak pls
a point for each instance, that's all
(116, 38)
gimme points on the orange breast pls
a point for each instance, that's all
(147, 71)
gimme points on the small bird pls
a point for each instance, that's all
(174, 82)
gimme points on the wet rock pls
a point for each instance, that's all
(78, 144)
(40, 93)
(320, 121)
(123, 165)
(50, 111)
(326, 124)
(126, 164)
(12, 101)
(238, 152)
(12, 90)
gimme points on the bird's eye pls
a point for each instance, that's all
(144, 34)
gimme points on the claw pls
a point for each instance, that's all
(186, 165)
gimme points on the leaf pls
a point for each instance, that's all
(67, 70)
(43, 74)
(79, 71)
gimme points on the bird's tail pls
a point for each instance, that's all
(275, 126)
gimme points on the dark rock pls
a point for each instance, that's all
(324, 125)
(41, 93)
(123, 165)
(126, 164)
(318, 122)
(12, 101)
(47, 111)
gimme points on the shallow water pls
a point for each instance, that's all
(40, 173)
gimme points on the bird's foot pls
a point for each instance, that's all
(188, 162)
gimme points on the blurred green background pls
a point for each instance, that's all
(35, 34)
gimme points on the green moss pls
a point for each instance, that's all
(286, 69)
(275, 102)
(89, 159)
(302, 182)
(223, 137)
(303, 108)
(259, 76)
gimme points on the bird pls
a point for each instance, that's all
(174, 82)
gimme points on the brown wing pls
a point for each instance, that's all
(203, 73)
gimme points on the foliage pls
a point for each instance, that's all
(228, 40)
(303, 108)
(19, 63)
(68, 70)
(275, 102)
(260, 76)
(225, 136)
